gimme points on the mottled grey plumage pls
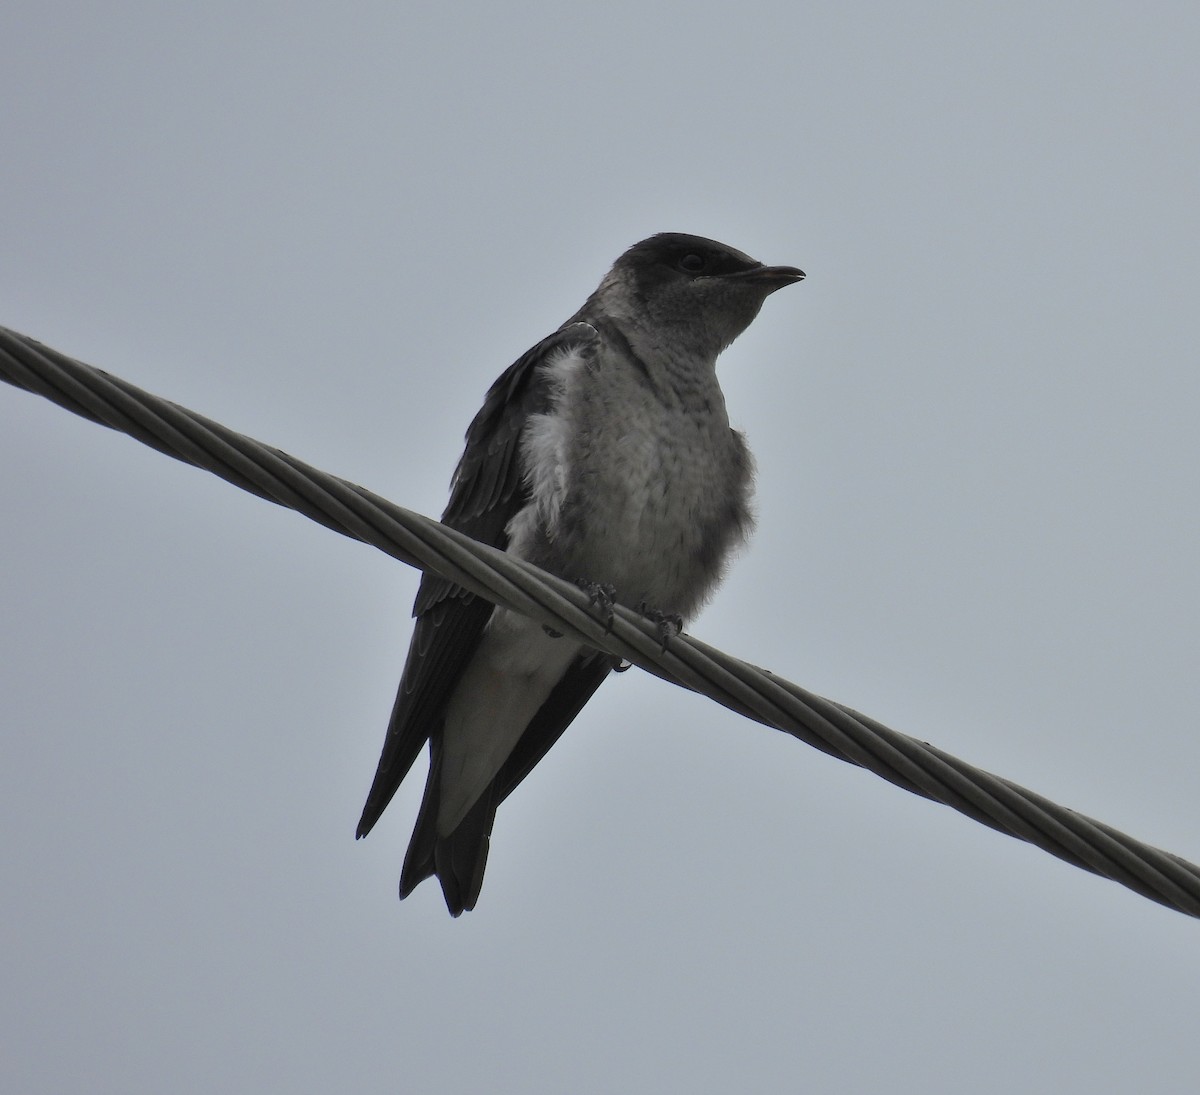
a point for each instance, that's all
(604, 454)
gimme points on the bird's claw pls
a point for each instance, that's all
(602, 598)
(669, 624)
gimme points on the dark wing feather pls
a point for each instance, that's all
(487, 491)
(459, 858)
(584, 675)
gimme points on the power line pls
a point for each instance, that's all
(419, 541)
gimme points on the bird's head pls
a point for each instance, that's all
(700, 293)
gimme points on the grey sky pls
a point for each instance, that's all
(331, 228)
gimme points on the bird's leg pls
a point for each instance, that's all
(602, 598)
(669, 624)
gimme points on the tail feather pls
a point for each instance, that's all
(458, 860)
(419, 859)
(461, 857)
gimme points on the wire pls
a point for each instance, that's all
(421, 542)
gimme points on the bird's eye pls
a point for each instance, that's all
(692, 263)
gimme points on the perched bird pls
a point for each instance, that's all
(603, 455)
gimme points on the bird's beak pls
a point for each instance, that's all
(771, 277)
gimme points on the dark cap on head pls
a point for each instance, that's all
(676, 253)
(703, 292)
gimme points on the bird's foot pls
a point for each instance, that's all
(602, 597)
(669, 624)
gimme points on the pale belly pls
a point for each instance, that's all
(650, 507)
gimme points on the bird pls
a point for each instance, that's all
(605, 456)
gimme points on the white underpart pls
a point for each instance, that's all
(517, 664)
(545, 453)
(511, 675)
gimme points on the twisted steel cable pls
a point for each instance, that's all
(421, 542)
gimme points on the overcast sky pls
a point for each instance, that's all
(330, 227)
